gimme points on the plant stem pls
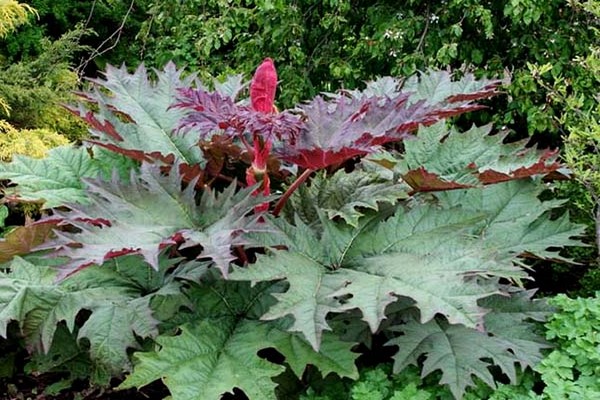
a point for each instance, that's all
(299, 181)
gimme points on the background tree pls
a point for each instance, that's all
(323, 46)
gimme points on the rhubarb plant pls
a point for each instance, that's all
(232, 244)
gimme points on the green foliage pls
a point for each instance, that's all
(343, 195)
(571, 371)
(204, 360)
(58, 178)
(115, 24)
(13, 14)
(3, 215)
(447, 346)
(380, 383)
(35, 89)
(29, 142)
(581, 118)
(176, 260)
(114, 295)
(334, 44)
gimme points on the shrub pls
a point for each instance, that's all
(35, 90)
(30, 142)
(241, 236)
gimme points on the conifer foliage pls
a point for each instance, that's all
(214, 228)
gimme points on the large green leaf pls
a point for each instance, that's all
(135, 117)
(517, 220)
(117, 295)
(208, 359)
(445, 257)
(461, 353)
(310, 295)
(54, 180)
(58, 178)
(441, 158)
(112, 327)
(219, 351)
(148, 212)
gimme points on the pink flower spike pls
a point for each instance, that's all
(263, 87)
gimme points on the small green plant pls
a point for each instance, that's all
(572, 369)
(380, 383)
(35, 90)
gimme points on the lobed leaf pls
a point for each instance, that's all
(445, 257)
(204, 360)
(517, 220)
(54, 180)
(461, 353)
(119, 307)
(344, 127)
(344, 195)
(443, 159)
(135, 117)
(148, 213)
(207, 113)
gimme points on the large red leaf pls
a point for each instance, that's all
(346, 126)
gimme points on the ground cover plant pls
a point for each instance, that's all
(229, 245)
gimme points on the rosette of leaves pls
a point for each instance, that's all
(393, 224)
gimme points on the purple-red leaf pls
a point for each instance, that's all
(211, 112)
(341, 128)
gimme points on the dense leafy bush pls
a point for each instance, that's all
(343, 230)
(36, 89)
(12, 14)
(114, 22)
(31, 142)
(323, 46)
(380, 384)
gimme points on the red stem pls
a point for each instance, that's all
(290, 190)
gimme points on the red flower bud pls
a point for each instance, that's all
(263, 87)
